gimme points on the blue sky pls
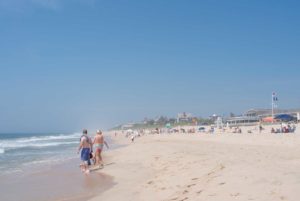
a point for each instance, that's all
(66, 65)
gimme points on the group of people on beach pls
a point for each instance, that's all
(91, 149)
(284, 129)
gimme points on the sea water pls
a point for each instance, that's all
(20, 151)
(46, 167)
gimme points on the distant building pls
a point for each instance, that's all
(127, 126)
(184, 117)
(214, 117)
(254, 116)
(261, 113)
(242, 121)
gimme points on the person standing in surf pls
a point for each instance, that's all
(99, 144)
(86, 148)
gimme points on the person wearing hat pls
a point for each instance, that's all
(98, 144)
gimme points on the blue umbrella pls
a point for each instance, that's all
(285, 117)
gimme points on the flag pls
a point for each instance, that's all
(275, 98)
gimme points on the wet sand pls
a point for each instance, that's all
(63, 182)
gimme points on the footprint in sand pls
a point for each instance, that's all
(235, 194)
(185, 192)
(195, 179)
(210, 173)
(189, 186)
(282, 198)
(198, 192)
(150, 182)
(222, 183)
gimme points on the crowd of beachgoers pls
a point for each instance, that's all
(271, 128)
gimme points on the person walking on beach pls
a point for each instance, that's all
(86, 148)
(260, 128)
(99, 144)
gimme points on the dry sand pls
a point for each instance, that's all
(208, 167)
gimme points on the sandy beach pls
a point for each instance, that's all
(210, 167)
(183, 100)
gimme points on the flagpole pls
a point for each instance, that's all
(273, 107)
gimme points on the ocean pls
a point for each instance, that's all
(46, 167)
(22, 151)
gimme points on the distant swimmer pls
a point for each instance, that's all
(86, 148)
(99, 143)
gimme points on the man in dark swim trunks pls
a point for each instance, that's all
(85, 147)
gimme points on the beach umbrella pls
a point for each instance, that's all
(268, 119)
(285, 117)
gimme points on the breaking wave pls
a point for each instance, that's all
(38, 141)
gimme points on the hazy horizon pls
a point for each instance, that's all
(95, 64)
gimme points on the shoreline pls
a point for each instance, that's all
(59, 181)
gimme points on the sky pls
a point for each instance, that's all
(72, 64)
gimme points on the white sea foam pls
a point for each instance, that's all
(54, 160)
(39, 141)
(12, 145)
(50, 144)
(50, 137)
(6, 171)
(21, 151)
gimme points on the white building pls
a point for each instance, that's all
(184, 117)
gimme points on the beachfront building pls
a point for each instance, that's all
(261, 113)
(184, 117)
(242, 121)
(258, 113)
(254, 116)
(127, 126)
